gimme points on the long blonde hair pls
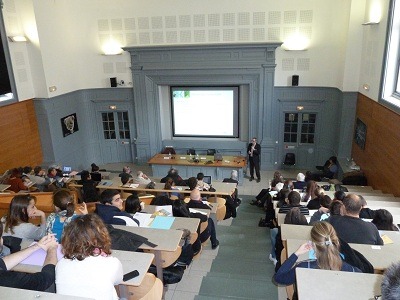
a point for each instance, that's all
(326, 245)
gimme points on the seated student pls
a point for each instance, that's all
(22, 208)
(234, 179)
(293, 217)
(196, 202)
(38, 178)
(310, 191)
(315, 202)
(351, 228)
(323, 211)
(16, 182)
(39, 281)
(89, 191)
(55, 177)
(110, 209)
(64, 208)
(87, 268)
(192, 183)
(300, 183)
(133, 204)
(125, 180)
(366, 212)
(325, 243)
(179, 209)
(126, 170)
(294, 201)
(201, 185)
(170, 185)
(383, 220)
(141, 178)
(173, 173)
(329, 169)
(339, 195)
(95, 168)
(336, 208)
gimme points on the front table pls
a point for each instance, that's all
(218, 170)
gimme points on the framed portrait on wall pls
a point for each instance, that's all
(69, 124)
(360, 133)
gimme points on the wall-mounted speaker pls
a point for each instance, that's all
(295, 80)
(113, 81)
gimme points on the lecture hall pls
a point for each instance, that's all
(185, 86)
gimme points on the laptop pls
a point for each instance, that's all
(207, 179)
(96, 176)
(66, 170)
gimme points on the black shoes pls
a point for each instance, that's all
(251, 179)
(214, 246)
(258, 179)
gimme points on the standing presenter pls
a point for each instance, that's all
(254, 151)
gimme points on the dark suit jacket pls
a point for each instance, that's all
(256, 152)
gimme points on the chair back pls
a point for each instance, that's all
(290, 159)
(151, 288)
(191, 151)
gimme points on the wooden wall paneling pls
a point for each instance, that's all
(380, 158)
(19, 136)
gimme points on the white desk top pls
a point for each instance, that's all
(13, 294)
(336, 284)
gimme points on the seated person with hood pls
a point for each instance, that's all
(110, 209)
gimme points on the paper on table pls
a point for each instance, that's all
(128, 221)
(134, 185)
(37, 258)
(386, 239)
(165, 208)
(162, 222)
(143, 218)
(192, 210)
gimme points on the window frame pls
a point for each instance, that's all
(390, 80)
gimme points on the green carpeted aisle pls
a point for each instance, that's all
(241, 270)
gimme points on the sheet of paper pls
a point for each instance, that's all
(166, 209)
(37, 258)
(143, 218)
(192, 210)
(386, 239)
(128, 221)
(162, 222)
(134, 185)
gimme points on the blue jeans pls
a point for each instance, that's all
(274, 233)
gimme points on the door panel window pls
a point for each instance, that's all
(108, 125)
(123, 124)
(299, 127)
(290, 134)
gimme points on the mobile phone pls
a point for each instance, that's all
(130, 275)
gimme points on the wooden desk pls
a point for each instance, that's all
(130, 261)
(166, 240)
(222, 188)
(161, 164)
(339, 285)
(7, 293)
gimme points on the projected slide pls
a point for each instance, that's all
(208, 112)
